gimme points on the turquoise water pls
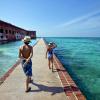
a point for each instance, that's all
(81, 58)
(9, 55)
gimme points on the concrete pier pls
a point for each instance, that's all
(46, 84)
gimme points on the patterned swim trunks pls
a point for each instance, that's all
(27, 68)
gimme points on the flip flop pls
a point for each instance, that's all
(28, 89)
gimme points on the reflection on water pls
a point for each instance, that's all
(81, 58)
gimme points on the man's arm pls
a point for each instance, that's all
(20, 54)
(54, 45)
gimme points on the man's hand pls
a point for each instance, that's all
(27, 60)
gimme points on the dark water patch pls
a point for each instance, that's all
(76, 78)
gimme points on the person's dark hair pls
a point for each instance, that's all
(26, 43)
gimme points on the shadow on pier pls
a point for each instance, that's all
(53, 89)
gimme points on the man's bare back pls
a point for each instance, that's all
(25, 51)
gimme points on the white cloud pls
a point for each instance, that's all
(74, 21)
(88, 24)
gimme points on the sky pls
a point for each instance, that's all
(54, 18)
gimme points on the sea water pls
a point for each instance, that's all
(81, 58)
(9, 55)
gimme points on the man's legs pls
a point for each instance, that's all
(52, 63)
(49, 63)
(27, 84)
(30, 80)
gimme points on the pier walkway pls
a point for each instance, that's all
(46, 84)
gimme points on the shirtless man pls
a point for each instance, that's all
(25, 54)
(49, 54)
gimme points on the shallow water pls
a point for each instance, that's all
(9, 55)
(81, 58)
